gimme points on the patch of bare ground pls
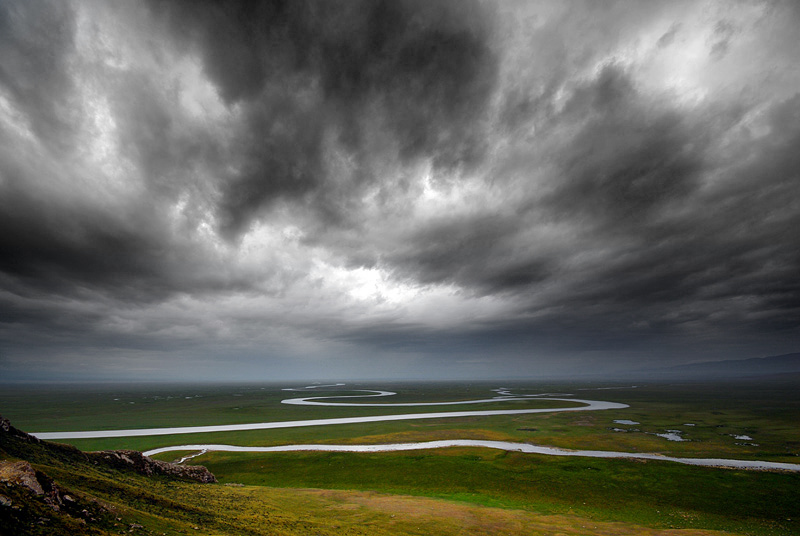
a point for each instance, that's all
(418, 515)
(584, 421)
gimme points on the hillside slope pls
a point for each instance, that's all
(49, 488)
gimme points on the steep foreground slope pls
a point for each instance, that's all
(53, 489)
(47, 488)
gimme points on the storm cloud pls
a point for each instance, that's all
(253, 189)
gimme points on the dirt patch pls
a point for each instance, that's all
(588, 421)
(458, 518)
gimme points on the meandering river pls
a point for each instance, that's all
(502, 445)
(586, 405)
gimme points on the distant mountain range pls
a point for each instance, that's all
(728, 369)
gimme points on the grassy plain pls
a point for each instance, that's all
(651, 494)
(99, 500)
(56, 408)
(766, 412)
(656, 494)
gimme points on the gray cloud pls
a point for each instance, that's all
(307, 75)
(546, 184)
(36, 39)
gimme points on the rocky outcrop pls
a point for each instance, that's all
(131, 459)
(31, 502)
(22, 474)
(21, 445)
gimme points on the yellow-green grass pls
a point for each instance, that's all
(156, 506)
(652, 494)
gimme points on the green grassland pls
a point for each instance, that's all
(768, 413)
(126, 503)
(647, 495)
(63, 408)
(656, 494)
(107, 500)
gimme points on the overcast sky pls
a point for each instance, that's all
(253, 190)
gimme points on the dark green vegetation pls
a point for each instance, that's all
(766, 411)
(656, 494)
(651, 494)
(51, 489)
(53, 408)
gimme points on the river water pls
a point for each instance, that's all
(587, 405)
(502, 445)
(590, 405)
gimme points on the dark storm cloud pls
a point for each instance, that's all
(628, 160)
(632, 179)
(35, 39)
(68, 246)
(304, 71)
(458, 250)
(713, 255)
(503, 182)
(71, 248)
(154, 138)
(46, 243)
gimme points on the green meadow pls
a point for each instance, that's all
(656, 494)
(64, 407)
(712, 418)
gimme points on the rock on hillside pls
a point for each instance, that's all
(131, 459)
(21, 445)
(22, 474)
(49, 489)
